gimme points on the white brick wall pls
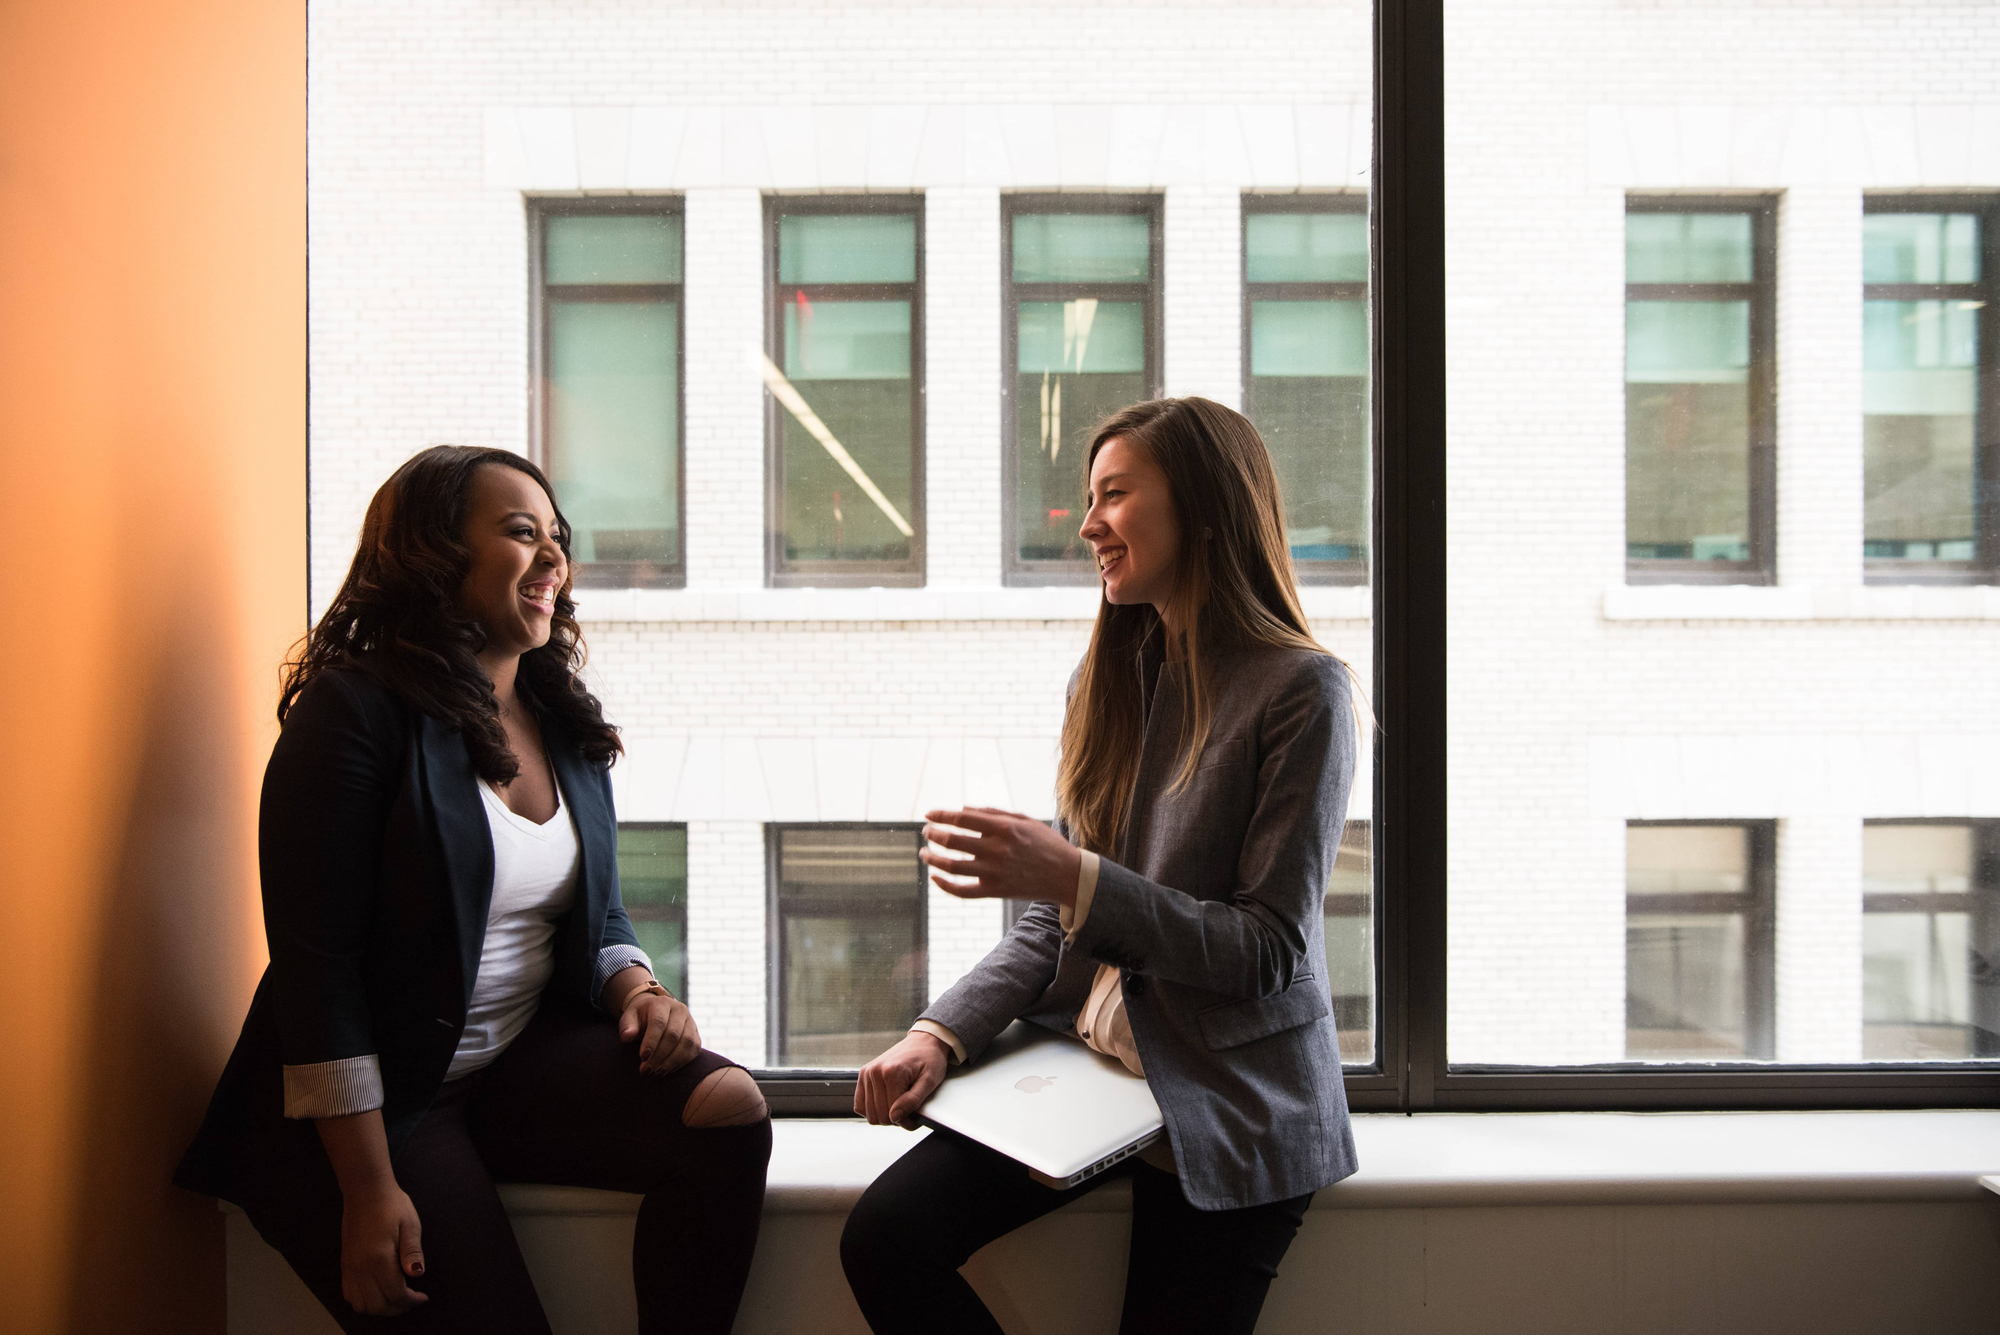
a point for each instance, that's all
(1576, 703)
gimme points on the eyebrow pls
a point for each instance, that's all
(1110, 477)
(519, 514)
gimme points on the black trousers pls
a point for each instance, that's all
(565, 1104)
(1191, 1270)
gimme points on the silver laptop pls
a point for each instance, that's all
(1047, 1100)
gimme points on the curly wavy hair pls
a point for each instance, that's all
(397, 616)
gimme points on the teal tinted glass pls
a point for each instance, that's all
(1306, 247)
(1083, 336)
(613, 248)
(1920, 248)
(614, 430)
(847, 248)
(652, 881)
(1687, 342)
(1688, 248)
(1308, 338)
(1082, 248)
(847, 340)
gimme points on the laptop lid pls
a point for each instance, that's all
(1047, 1100)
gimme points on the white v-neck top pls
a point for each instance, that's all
(534, 881)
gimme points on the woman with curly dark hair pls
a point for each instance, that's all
(454, 982)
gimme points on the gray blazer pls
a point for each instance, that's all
(1213, 913)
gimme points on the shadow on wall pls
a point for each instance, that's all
(161, 1007)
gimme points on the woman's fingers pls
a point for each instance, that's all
(411, 1239)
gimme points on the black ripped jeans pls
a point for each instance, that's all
(1200, 1271)
(565, 1104)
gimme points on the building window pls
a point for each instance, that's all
(1699, 477)
(1698, 941)
(1305, 371)
(845, 369)
(653, 881)
(1082, 341)
(608, 384)
(1350, 944)
(849, 932)
(1930, 941)
(1931, 437)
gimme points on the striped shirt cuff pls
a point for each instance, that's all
(613, 958)
(334, 1089)
(1086, 890)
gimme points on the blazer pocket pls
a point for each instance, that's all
(1218, 752)
(1234, 1023)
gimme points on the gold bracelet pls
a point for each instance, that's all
(651, 987)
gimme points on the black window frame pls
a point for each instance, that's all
(1757, 902)
(1984, 568)
(789, 1081)
(608, 574)
(1348, 573)
(779, 572)
(1762, 294)
(1981, 902)
(647, 913)
(1411, 814)
(1016, 572)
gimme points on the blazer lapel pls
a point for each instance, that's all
(596, 840)
(465, 841)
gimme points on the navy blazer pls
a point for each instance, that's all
(376, 862)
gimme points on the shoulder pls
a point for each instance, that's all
(1272, 673)
(346, 700)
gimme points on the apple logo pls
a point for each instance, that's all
(1034, 1084)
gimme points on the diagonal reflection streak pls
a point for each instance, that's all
(795, 404)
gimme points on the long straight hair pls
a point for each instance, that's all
(1233, 588)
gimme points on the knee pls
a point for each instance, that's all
(727, 1097)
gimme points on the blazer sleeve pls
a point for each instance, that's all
(1253, 943)
(1005, 984)
(618, 946)
(326, 801)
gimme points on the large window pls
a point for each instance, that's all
(1350, 944)
(1698, 956)
(1930, 936)
(1305, 375)
(845, 370)
(1930, 424)
(652, 879)
(1698, 413)
(608, 276)
(1082, 341)
(848, 941)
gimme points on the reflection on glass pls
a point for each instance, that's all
(1689, 993)
(1350, 944)
(1928, 939)
(1919, 388)
(1687, 391)
(652, 880)
(851, 942)
(846, 286)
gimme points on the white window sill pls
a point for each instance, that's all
(1322, 603)
(1479, 1159)
(1800, 602)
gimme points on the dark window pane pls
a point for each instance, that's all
(850, 362)
(1919, 396)
(613, 248)
(1309, 399)
(1077, 363)
(614, 425)
(1927, 977)
(652, 881)
(852, 943)
(1687, 943)
(1687, 429)
(1350, 944)
(1082, 248)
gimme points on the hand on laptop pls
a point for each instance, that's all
(894, 1086)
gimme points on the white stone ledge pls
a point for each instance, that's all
(1803, 602)
(1482, 1159)
(603, 606)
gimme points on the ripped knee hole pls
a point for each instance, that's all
(728, 1097)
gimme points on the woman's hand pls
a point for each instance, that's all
(668, 1039)
(381, 1242)
(1011, 856)
(895, 1084)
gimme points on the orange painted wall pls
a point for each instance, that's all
(152, 480)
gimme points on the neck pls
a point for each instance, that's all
(501, 669)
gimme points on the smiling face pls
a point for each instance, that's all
(1131, 525)
(517, 565)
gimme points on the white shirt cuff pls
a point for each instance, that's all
(334, 1089)
(1086, 890)
(613, 958)
(942, 1035)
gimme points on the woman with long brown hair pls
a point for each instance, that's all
(454, 984)
(1207, 752)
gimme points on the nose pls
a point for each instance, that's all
(1094, 526)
